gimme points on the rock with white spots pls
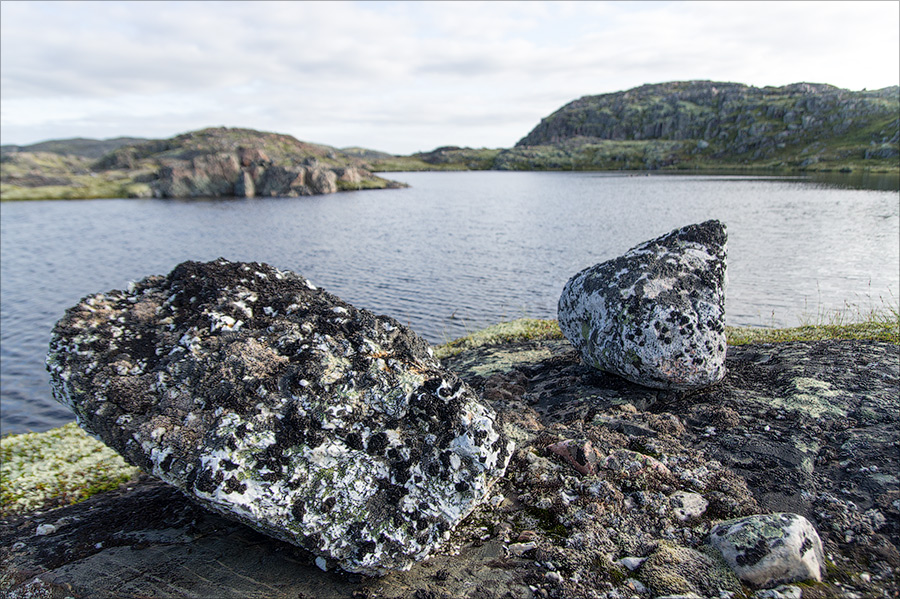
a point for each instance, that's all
(656, 314)
(283, 407)
(688, 505)
(771, 549)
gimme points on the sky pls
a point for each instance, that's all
(402, 77)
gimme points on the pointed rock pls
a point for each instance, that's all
(281, 406)
(655, 315)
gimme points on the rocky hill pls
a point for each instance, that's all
(697, 125)
(215, 162)
(76, 146)
(692, 124)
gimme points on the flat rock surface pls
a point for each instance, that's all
(810, 428)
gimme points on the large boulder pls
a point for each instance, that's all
(277, 404)
(655, 315)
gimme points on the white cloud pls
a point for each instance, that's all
(403, 76)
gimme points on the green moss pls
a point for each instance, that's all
(59, 467)
(672, 569)
(82, 188)
(876, 325)
(612, 571)
(523, 329)
(367, 183)
(548, 522)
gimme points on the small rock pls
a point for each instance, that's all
(782, 592)
(687, 505)
(554, 577)
(519, 549)
(655, 315)
(770, 549)
(526, 536)
(636, 586)
(632, 563)
(581, 456)
(45, 529)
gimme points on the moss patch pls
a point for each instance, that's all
(523, 329)
(878, 326)
(59, 467)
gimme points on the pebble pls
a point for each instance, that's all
(554, 577)
(632, 563)
(45, 529)
(518, 549)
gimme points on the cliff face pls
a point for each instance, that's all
(797, 124)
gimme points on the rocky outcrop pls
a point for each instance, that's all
(222, 162)
(240, 175)
(703, 123)
(550, 529)
(803, 427)
(656, 314)
(743, 115)
(283, 407)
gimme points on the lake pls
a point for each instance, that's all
(449, 255)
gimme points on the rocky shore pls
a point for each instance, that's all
(312, 448)
(805, 427)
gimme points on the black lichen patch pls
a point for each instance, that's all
(751, 555)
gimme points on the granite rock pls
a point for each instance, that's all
(279, 405)
(770, 549)
(655, 315)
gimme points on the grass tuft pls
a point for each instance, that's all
(877, 325)
(523, 329)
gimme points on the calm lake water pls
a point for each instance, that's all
(453, 253)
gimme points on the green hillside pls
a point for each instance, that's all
(699, 125)
(705, 124)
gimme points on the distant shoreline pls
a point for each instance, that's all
(875, 179)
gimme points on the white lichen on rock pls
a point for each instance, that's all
(656, 314)
(767, 550)
(279, 405)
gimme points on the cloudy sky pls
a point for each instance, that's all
(402, 76)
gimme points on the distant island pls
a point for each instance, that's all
(214, 162)
(683, 125)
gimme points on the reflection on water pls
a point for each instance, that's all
(451, 254)
(859, 180)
